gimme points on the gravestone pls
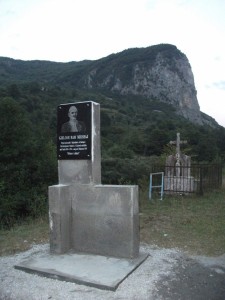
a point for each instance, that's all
(94, 228)
(178, 177)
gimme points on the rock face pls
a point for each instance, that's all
(159, 72)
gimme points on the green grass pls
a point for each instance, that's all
(22, 236)
(191, 223)
(195, 224)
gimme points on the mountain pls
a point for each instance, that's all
(147, 95)
(161, 72)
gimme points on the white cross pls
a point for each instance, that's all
(178, 142)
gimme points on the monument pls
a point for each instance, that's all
(177, 178)
(88, 219)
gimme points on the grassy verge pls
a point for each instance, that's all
(195, 224)
(22, 237)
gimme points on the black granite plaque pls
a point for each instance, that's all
(74, 131)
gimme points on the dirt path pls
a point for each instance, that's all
(167, 274)
(197, 278)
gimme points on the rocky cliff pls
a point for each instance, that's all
(160, 72)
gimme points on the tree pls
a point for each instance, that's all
(13, 91)
(26, 163)
(157, 140)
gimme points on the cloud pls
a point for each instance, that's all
(219, 84)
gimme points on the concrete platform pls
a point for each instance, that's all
(92, 270)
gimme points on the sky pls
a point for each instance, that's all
(74, 30)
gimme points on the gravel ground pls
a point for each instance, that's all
(166, 274)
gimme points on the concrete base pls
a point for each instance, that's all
(92, 270)
(94, 219)
(182, 184)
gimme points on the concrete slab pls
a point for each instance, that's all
(93, 270)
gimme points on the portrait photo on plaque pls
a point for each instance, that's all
(74, 130)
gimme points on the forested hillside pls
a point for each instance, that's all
(135, 132)
(160, 72)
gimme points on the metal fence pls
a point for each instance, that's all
(197, 178)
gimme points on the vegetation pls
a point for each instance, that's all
(23, 235)
(193, 224)
(71, 74)
(134, 131)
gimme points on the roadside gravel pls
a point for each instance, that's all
(166, 274)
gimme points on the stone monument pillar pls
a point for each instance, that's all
(79, 152)
(86, 216)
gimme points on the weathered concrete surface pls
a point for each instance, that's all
(105, 220)
(88, 217)
(182, 184)
(60, 218)
(98, 219)
(91, 270)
